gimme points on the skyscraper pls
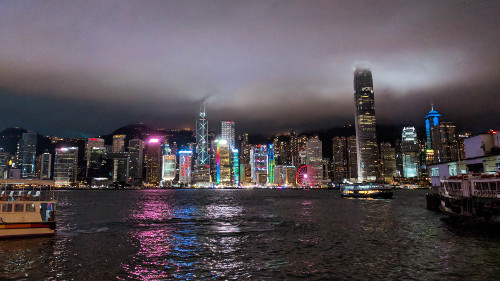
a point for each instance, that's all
(387, 162)
(228, 133)
(314, 156)
(201, 172)
(185, 166)
(340, 161)
(26, 152)
(294, 148)
(445, 142)
(410, 150)
(65, 166)
(45, 160)
(366, 135)
(118, 143)
(136, 150)
(153, 161)
(431, 120)
(352, 157)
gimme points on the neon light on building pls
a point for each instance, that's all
(236, 167)
(271, 164)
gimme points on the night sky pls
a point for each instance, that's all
(77, 68)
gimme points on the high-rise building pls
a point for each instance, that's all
(410, 150)
(294, 148)
(98, 164)
(201, 172)
(45, 165)
(285, 175)
(89, 146)
(223, 164)
(26, 153)
(136, 151)
(271, 163)
(185, 166)
(153, 161)
(258, 164)
(228, 133)
(121, 166)
(445, 142)
(340, 159)
(118, 143)
(366, 135)
(314, 152)
(65, 166)
(236, 167)
(168, 169)
(387, 162)
(431, 121)
(352, 157)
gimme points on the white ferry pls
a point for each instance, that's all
(367, 191)
(473, 197)
(24, 213)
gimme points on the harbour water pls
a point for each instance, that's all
(249, 234)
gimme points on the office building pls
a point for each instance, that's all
(185, 157)
(387, 162)
(153, 161)
(118, 143)
(228, 133)
(314, 156)
(340, 159)
(136, 151)
(44, 165)
(352, 158)
(26, 153)
(410, 150)
(65, 166)
(258, 164)
(366, 135)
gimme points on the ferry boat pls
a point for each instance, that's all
(472, 197)
(367, 191)
(24, 213)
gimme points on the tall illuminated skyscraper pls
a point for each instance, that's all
(66, 166)
(185, 166)
(26, 153)
(228, 133)
(201, 174)
(153, 161)
(202, 139)
(431, 121)
(136, 150)
(366, 134)
(410, 150)
(314, 158)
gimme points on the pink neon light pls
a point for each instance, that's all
(154, 140)
(93, 139)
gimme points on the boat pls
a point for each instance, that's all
(25, 213)
(472, 198)
(367, 191)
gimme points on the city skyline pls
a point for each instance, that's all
(80, 69)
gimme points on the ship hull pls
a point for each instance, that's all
(27, 229)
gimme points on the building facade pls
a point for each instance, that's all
(366, 135)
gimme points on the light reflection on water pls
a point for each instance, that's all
(248, 234)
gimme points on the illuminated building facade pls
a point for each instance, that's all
(366, 136)
(258, 163)
(45, 165)
(26, 153)
(202, 168)
(294, 148)
(431, 121)
(314, 156)
(153, 161)
(271, 163)
(410, 150)
(98, 164)
(91, 143)
(223, 162)
(285, 175)
(121, 166)
(65, 166)
(340, 160)
(236, 167)
(185, 157)
(352, 157)
(387, 162)
(118, 143)
(136, 151)
(228, 132)
(445, 142)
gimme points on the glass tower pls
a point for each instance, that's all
(366, 136)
